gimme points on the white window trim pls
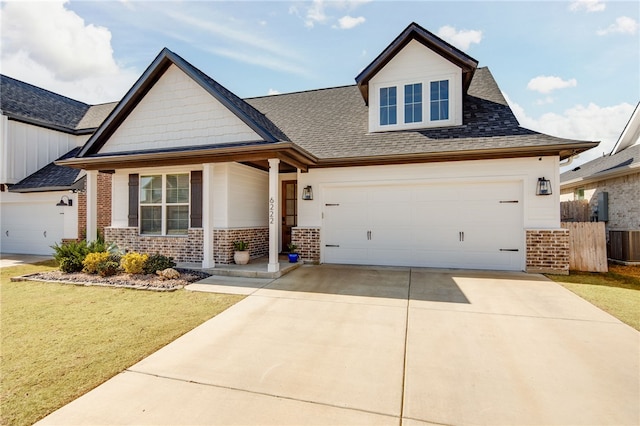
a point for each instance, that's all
(454, 99)
(163, 205)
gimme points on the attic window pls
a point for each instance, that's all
(388, 106)
(413, 103)
(440, 100)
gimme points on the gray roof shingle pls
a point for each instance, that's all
(333, 124)
(627, 157)
(50, 178)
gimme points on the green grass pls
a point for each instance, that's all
(616, 292)
(60, 341)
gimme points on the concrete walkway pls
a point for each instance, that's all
(7, 259)
(333, 345)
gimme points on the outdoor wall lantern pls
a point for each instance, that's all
(62, 203)
(543, 187)
(307, 193)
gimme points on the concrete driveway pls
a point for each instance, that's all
(356, 345)
(8, 259)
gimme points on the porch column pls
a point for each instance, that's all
(207, 216)
(92, 205)
(274, 214)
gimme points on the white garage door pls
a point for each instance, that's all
(31, 228)
(470, 225)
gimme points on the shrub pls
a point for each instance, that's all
(108, 267)
(134, 263)
(92, 262)
(158, 262)
(70, 255)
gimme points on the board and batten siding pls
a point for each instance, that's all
(177, 112)
(25, 148)
(540, 212)
(416, 64)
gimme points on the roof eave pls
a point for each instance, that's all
(49, 126)
(609, 174)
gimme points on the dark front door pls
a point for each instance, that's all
(289, 210)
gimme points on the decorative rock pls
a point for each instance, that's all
(168, 274)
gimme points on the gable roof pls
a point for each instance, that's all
(431, 41)
(606, 167)
(331, 124)
(51, 178)
(249, 115)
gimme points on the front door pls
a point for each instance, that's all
(289, 211)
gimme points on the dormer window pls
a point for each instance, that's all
(388, 106)
(440, 100)
(413, 103)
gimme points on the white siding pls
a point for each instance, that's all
(540, 212)
(26, 149)
(416, 64)
(248, 196)
(177, 112)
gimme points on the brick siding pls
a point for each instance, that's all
(308, 242)
(223, 239)
(104, 206)
(548, 251)
(189, 248)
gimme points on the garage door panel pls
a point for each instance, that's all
(31, 228)
(441, 225)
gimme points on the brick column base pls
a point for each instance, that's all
(308, 242)
(548, 251)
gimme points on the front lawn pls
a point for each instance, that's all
(60, 341)
(616, 292)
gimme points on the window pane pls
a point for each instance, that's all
(435, 91)
(151, 220)
(392, 115)
(408, 93)
(444, 110)
(387, 106)
(444, 89)
(177, 220)
(408, 114)
(178, 188)
(150, 189)
(439, 100)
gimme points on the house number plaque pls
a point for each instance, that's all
(272, 212)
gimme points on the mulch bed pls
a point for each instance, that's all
(122, 280)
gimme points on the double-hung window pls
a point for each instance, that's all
(413, 103)
(388, 106)
(439, 100)
(164, 204)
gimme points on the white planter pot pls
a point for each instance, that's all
(241, 257)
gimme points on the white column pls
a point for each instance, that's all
(92, 205)
(207, 215)
(274, 214)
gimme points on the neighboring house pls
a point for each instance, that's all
(421, 163)
(36, 128)
(613, 179)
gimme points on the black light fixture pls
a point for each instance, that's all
(307, 193)
(543, 187)
(62, 203)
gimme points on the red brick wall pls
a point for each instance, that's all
(187, 248)
(223, 239)
(104, 206)
(308, 242)
(548, 251)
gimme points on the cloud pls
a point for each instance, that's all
(316, 12)
(52, 47)
(547, 84)
(461, 39)
(623, 25)
(589, 123)
(273, 92)
(348, 22)
(588, 5)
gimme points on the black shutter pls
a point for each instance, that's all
(196, 199)
(133, 199)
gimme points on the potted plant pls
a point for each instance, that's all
(241, 253)
(293, 256)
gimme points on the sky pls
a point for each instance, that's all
(567, 68)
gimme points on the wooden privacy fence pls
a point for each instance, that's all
(587, 246)
(575, 211)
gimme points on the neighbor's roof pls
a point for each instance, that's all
(606, 167)
(332, 124)
(51, 178)
(30, 104)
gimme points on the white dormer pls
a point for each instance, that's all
(418, 82)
